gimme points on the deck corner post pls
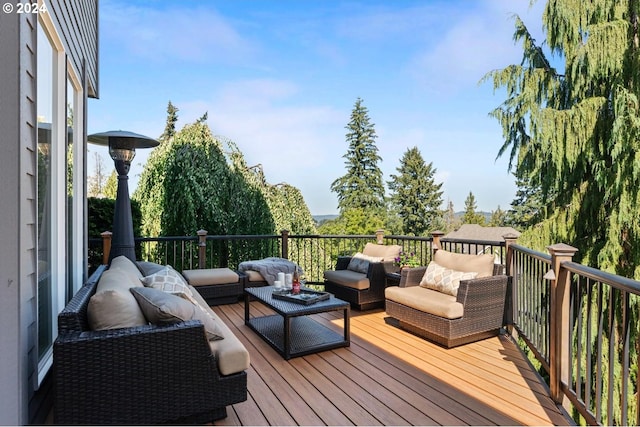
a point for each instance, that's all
(559, 323)
(512, 297)
(285, 243)
(106, 246)
(202, 248)
(436, 236)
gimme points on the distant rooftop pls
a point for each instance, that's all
(478, 232)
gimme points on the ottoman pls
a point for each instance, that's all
(254, 279)
(216, 285)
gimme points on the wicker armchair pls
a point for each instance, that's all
(362, 299)
(483, 300)
(147, 374)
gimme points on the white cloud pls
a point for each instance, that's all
(295, 143)
(477, 42)
(180, 32)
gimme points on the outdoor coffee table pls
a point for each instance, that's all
(291, 332)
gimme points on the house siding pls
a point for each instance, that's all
(24, 400)
(77, 24)
(11, 350)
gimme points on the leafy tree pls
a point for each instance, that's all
(573, 132)
(170, 127)
(361, 186)
(96, 182)
(111, 186)
(353, 221)
(470, 215)
(415, 194)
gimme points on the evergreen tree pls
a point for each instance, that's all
(498, 218)
(361, 186)
(527, 209)
(450, 221)
(470, 215)
(170, 126)
(415, 194)
(573, 132)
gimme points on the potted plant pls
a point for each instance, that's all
(407, 260)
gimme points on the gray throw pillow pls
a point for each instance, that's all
(162, 307)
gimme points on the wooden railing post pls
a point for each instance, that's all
(106, 246)
(379, 236)
(436, 235)
(202, 248)
(509, 239)
(285, 244)
(512, 295)
(559, 323)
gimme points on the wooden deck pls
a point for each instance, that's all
(388, 377)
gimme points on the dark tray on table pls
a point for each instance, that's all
(306, 296)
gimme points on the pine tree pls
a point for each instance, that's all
(498, 218)
(573, 132)
(450, 221)
(170, 127)
(470, 216)
(361, 186)
(528, 207)
(415, 194)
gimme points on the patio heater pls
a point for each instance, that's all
(122, 149)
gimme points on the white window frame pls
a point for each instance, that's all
(57, 220)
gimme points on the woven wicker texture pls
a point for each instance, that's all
(306, 336)
(484, 302)
(143, 375)
(365, 299)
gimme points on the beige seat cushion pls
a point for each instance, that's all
(211, 276)
(481, 264)
(387, 252)
(348, 278)
(232, 356)
(254, 276)
(426, 300)
(113, 306)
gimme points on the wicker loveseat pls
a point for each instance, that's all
(475, 312)
(146, 374)
(362, 283)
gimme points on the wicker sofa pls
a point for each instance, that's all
(476, 311)
(363, 283)
(145, 374)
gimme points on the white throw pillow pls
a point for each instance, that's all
(444, 279)
(360, 262)
(167, 280)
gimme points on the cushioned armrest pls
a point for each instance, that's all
(411, 276)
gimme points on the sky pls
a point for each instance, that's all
(280, 79)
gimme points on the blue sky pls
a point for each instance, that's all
(280, 79)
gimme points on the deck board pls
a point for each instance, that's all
(388, 377)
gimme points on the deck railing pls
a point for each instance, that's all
(580, 323)
(582, 326)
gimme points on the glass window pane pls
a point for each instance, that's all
(46, 134)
